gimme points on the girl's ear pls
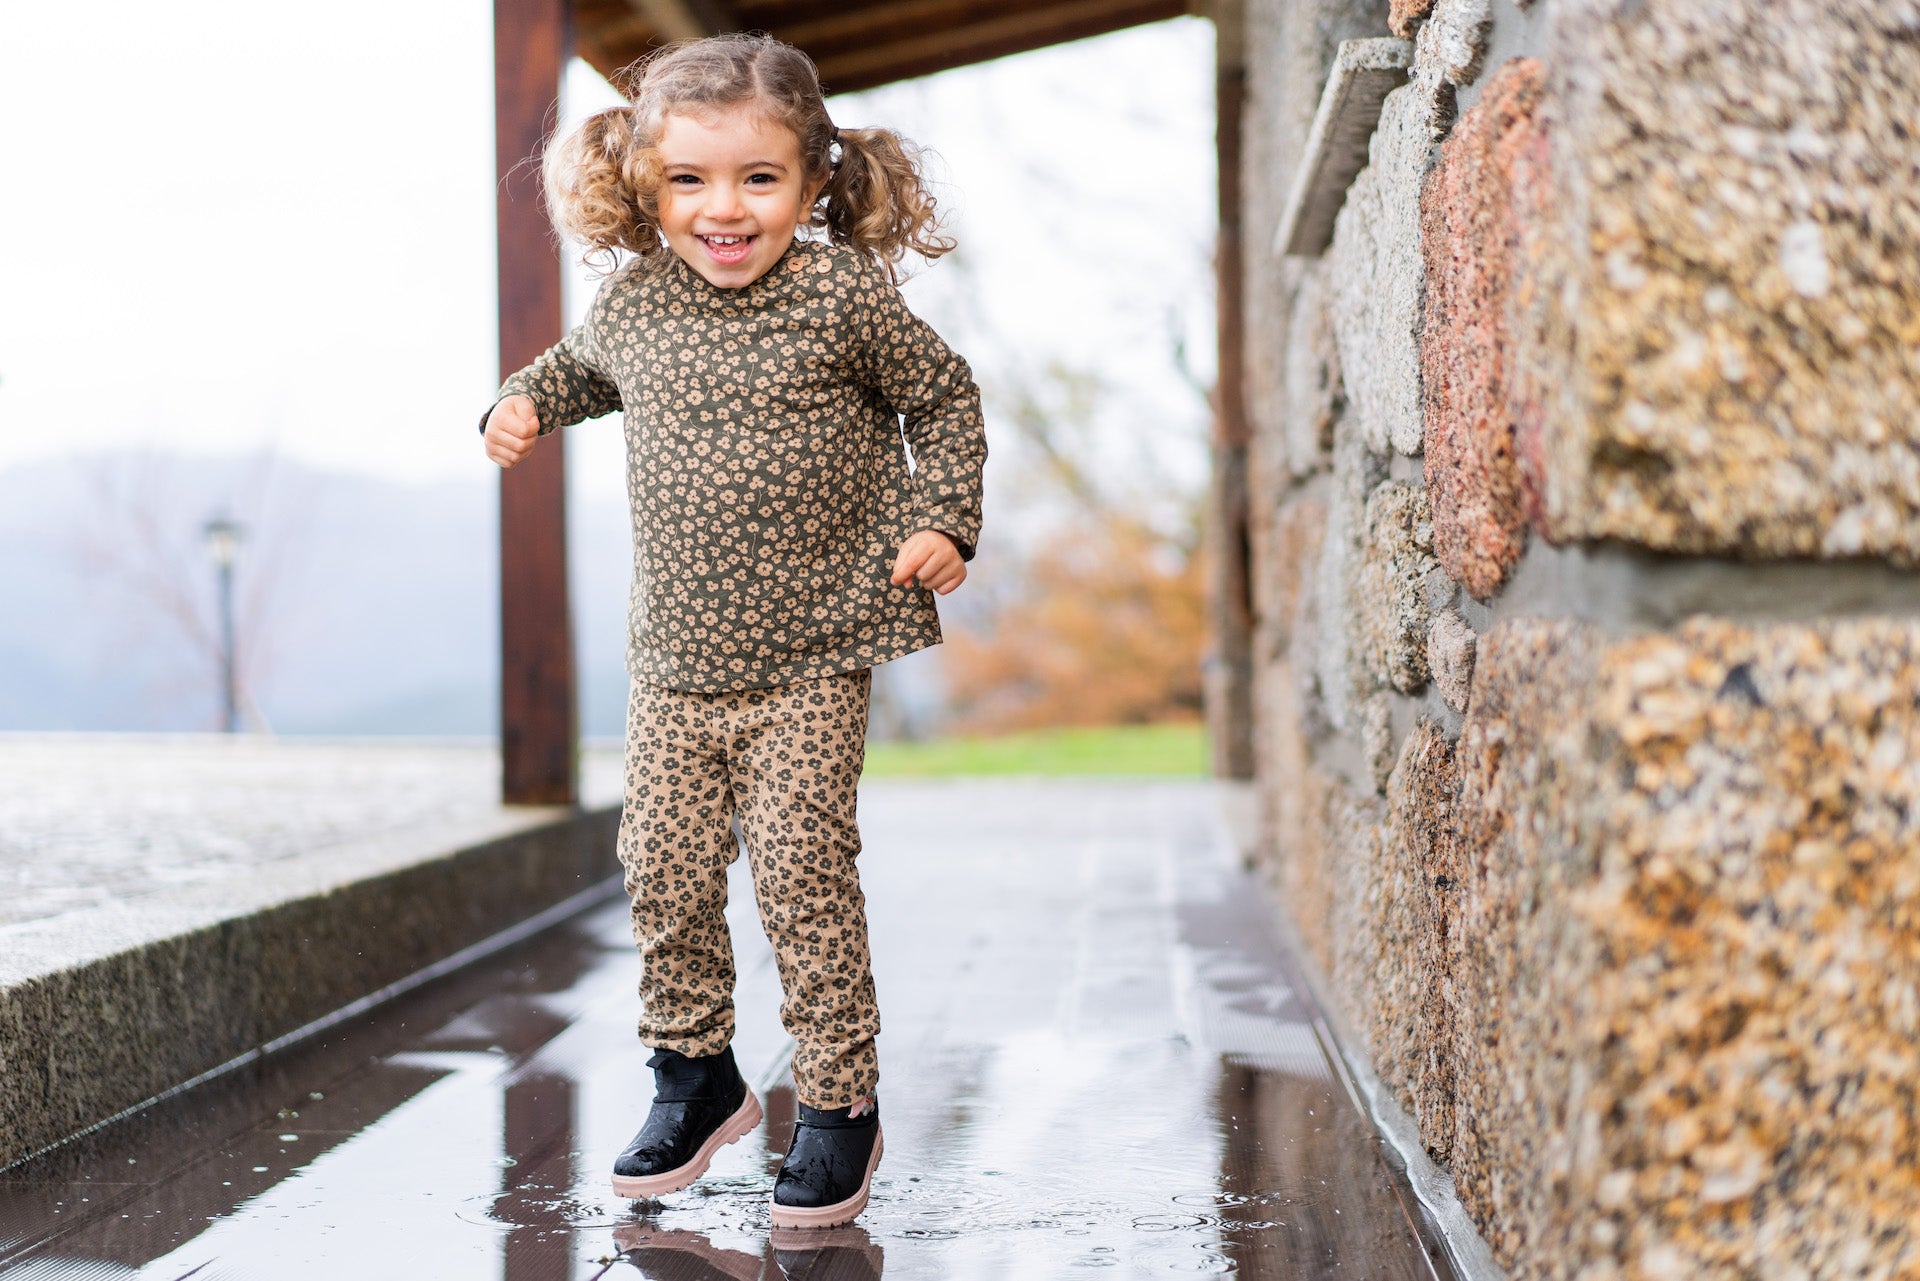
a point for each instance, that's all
(813, 190)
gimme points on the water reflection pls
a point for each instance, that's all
(1092, 1061)
(678, 1254)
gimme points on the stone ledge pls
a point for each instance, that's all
(1364, 73)
(104, 1007)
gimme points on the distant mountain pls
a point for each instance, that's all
(363, 606)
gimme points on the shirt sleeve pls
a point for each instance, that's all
(567, 383)
(931, 387)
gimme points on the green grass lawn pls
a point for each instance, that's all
(1178, 751)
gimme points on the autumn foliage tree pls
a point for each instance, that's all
(1097, 616)
(1106, 629)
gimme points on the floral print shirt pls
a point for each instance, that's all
(768, 430)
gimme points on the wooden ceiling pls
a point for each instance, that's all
(856, 44)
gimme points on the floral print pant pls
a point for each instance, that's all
(786, 760)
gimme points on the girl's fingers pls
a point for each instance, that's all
(930, 561)
(507, 452)
(907, 564)
(944, 576)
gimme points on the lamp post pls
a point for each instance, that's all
(223, 543)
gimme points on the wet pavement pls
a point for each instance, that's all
(1090, 1057)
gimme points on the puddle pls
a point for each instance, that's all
(1037, 1125)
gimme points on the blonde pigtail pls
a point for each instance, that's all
(603, 179)
(877, 200)
(599, 183)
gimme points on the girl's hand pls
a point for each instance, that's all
(931, 557)
(512, 428)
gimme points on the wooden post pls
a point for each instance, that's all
(538, 698)
(1230, 684)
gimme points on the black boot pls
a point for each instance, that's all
(828, 1254)
(699, 1106)
(828, 1171)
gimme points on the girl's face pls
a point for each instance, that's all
(732, 193)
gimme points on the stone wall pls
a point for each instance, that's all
(1585, 514)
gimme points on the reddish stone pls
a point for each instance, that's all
(1526, 153)
(1424, 842)
(1405, 15)
(1467, 234)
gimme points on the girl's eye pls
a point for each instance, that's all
(683, 179)
(763, 179)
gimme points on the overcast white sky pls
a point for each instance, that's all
(230, 226)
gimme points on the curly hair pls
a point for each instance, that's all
(603, 179)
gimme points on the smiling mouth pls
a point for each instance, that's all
(727, 249)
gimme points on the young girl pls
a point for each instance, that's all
(783, 546)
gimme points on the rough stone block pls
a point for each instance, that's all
(1285, 707)
(1301, 865)
(1378, 279)
(1447, 55)
(1322, 869)
(1718, 316)
(1689, 1026)
(1423, 842)
(1268, 487)
(1450, 644)
(1267, 299)
(1395, 911)
(1511, 1043)
(1280, 750)
(1393, 603)
(1283, 572)
(1403, 16)
(1299, 534)
(1376, 739)
(1357, 875)
(1466, 217)
(1315, 395)
(1340, 666)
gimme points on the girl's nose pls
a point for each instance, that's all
(723, 201)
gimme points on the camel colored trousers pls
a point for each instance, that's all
(786, 759)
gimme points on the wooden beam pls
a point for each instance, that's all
(538, 696)
(1015, 33)
(877, 23)
(685, 19)
(1230, 691)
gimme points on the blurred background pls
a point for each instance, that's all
(247, 326)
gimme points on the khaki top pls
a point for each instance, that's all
(765, 462)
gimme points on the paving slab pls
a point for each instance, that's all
(1091, 1058)
(170, 902)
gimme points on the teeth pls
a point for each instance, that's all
(727, 240)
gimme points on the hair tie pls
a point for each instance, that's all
(835, 148)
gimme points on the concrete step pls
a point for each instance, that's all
(169, 903)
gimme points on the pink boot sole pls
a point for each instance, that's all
(832, 1216)
(732, 1130)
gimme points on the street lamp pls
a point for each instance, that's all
(223, 543)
